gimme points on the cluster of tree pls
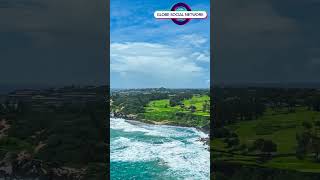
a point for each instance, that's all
(72, 135)
(177, 99)
(206, 106)
(236, 104)
(313, 102)
(230, 170)
(232, 140)
(234, 109)
(264, 146)
(309, 141)
(221, 132)
(191, 120)
(134, 103)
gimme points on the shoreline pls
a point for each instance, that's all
(166, 123)
(172, 124)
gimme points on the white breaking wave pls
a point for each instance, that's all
(154, 130)
(190, 160)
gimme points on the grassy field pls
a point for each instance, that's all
(281, 127)
(161, 111)
(198, 101)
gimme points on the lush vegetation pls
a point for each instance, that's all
(190, 112)
(68, 132)
(272, 128)
(184, 107)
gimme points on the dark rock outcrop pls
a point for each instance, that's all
(24, 166)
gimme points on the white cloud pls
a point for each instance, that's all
(163, 63)
(201, 57)
(194, 39)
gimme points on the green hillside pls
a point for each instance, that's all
(192, 112)
(279, 126)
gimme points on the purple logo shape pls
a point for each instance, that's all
(180, 5)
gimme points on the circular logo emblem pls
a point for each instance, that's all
(180, 7)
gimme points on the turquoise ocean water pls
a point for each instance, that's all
(142, 151)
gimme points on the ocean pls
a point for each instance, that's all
(144, 152)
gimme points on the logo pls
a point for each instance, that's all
(180, 14)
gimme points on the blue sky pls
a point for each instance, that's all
(147, 52)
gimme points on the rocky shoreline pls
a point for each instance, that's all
(133, 117)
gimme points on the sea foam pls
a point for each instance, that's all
(181, 151)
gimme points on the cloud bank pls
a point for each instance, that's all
(166, 65)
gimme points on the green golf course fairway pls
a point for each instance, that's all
(281, 127)
(161, 111)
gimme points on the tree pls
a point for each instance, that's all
(221, 132)
(316, 103)
(269, 147)
(317, 123)
(303, 141)
(232, 142)
(192, 108)
(205, 106)
(173, 102)
(307, 125)
(258, 144)
(316, 148)
(265, 146)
